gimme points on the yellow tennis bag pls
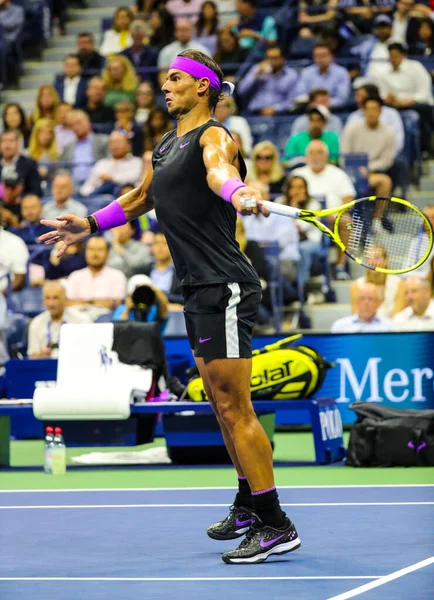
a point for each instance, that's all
(279, 372)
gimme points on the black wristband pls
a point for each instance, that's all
(93, 224)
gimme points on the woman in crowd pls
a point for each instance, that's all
(266, 166)
(118, 37)
(43, 148)
(156, 126)
(229, 52)
(14, 118)
(120, 79)
(163, 26)
(207, 25)
(423, 45)
(145, 102)
(125, 120)
(47, 104)
(64, 133)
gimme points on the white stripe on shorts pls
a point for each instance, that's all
(231, 322)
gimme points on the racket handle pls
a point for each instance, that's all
(281, 209)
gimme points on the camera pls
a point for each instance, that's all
(143, 299)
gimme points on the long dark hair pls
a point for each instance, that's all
(287, 186)
(220, 55)
(200, 26)
(430, 23)
(23, 125)
(165, 34)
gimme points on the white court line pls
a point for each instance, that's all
(196, 489)
(42, 506)
(308, 578)
(383, 580)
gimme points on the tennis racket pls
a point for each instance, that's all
(388, 235)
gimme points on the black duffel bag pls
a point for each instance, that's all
(388, 437)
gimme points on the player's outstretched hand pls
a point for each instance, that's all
(68, 229)
(248, 200)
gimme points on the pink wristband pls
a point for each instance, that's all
(110, 216)
(229, 187)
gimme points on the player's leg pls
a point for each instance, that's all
(239, 518)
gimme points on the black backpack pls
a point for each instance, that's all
(387, 437)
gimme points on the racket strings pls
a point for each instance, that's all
(384, 234)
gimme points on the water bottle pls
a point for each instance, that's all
(48, 450)
(59, 453)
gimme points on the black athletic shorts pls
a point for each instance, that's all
(220, 318)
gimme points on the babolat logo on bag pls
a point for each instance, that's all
(279, 372)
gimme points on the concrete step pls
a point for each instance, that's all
(324, 315)
(66, 41)
(430, 167)
(24, 97)
(57, 54)
(420, 199)
(427, 184)
(91, 25)
(43, 68)
(100, 12)
(32, 82)
(104, 3)
(342, 289)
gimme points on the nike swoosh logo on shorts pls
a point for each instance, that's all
(266, 544)
(243, 523)
(184, 145)
(202, 340)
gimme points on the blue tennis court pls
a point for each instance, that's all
(151, 543)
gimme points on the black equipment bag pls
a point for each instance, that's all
(387, 437)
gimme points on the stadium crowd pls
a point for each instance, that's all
(316, 82)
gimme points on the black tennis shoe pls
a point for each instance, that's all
(236, 524)
(263, 541)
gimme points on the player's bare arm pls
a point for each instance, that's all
(220, 155)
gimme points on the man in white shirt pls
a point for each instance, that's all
(63, 202)
(379, 53)
(71, 86)
(44, 330)
(120, 169)
(419, 314)
(329, 182)
(377, 140)
(407, 85)
(183, 41)
(369, 298)
(13, 259)
(402, 21)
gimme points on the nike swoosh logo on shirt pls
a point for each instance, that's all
(266, 544)
(202, 340)
(184, 145)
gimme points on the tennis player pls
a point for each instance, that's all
(197, 188)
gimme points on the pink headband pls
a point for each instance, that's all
(198, 70)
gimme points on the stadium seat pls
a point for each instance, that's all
(412, 149)
(17, 333)
(108, 318)
(352, 163)
(175, 324)
(275, 282)
(28, 302)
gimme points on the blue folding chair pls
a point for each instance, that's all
(16, 334)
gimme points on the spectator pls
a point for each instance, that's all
(183, 41)
(377, 140)
(63, 202)
(184, 9)
(337, 41)
(360, 14)
(297, 144)
(12, 160)
(391, 287)
(11, 21)
(108, 173)
(252, 26)
(229, 54)
(324, 73)
(14, 119)
(225, 112)
(13, 260)
(419, 314)
(153, 303)
(145, 102)
(97, 286)
(71, 86)
(72, 260)
(163, 26)
(388, 116)
(207, 25)
(96, 109)
(162, 271)
(268, 88)
(266, 166)
(423, 44)
(404, 25)
(89, 57)
(89, 147)
(141, 55)
(31, 228)
(157, 125)
(125, 122)
(406, 84)
(43, 146)
(127, 254)
(314, 16)
(118, 37)
(12, 195)
(63, 131)
(318, 97)
(120, 79)
(44, 330)
(366, 319)
(328, 182)
(419, 247)
(47, 104)
(296, 193)
(373, 51)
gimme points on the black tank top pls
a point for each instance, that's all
(199, 225)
